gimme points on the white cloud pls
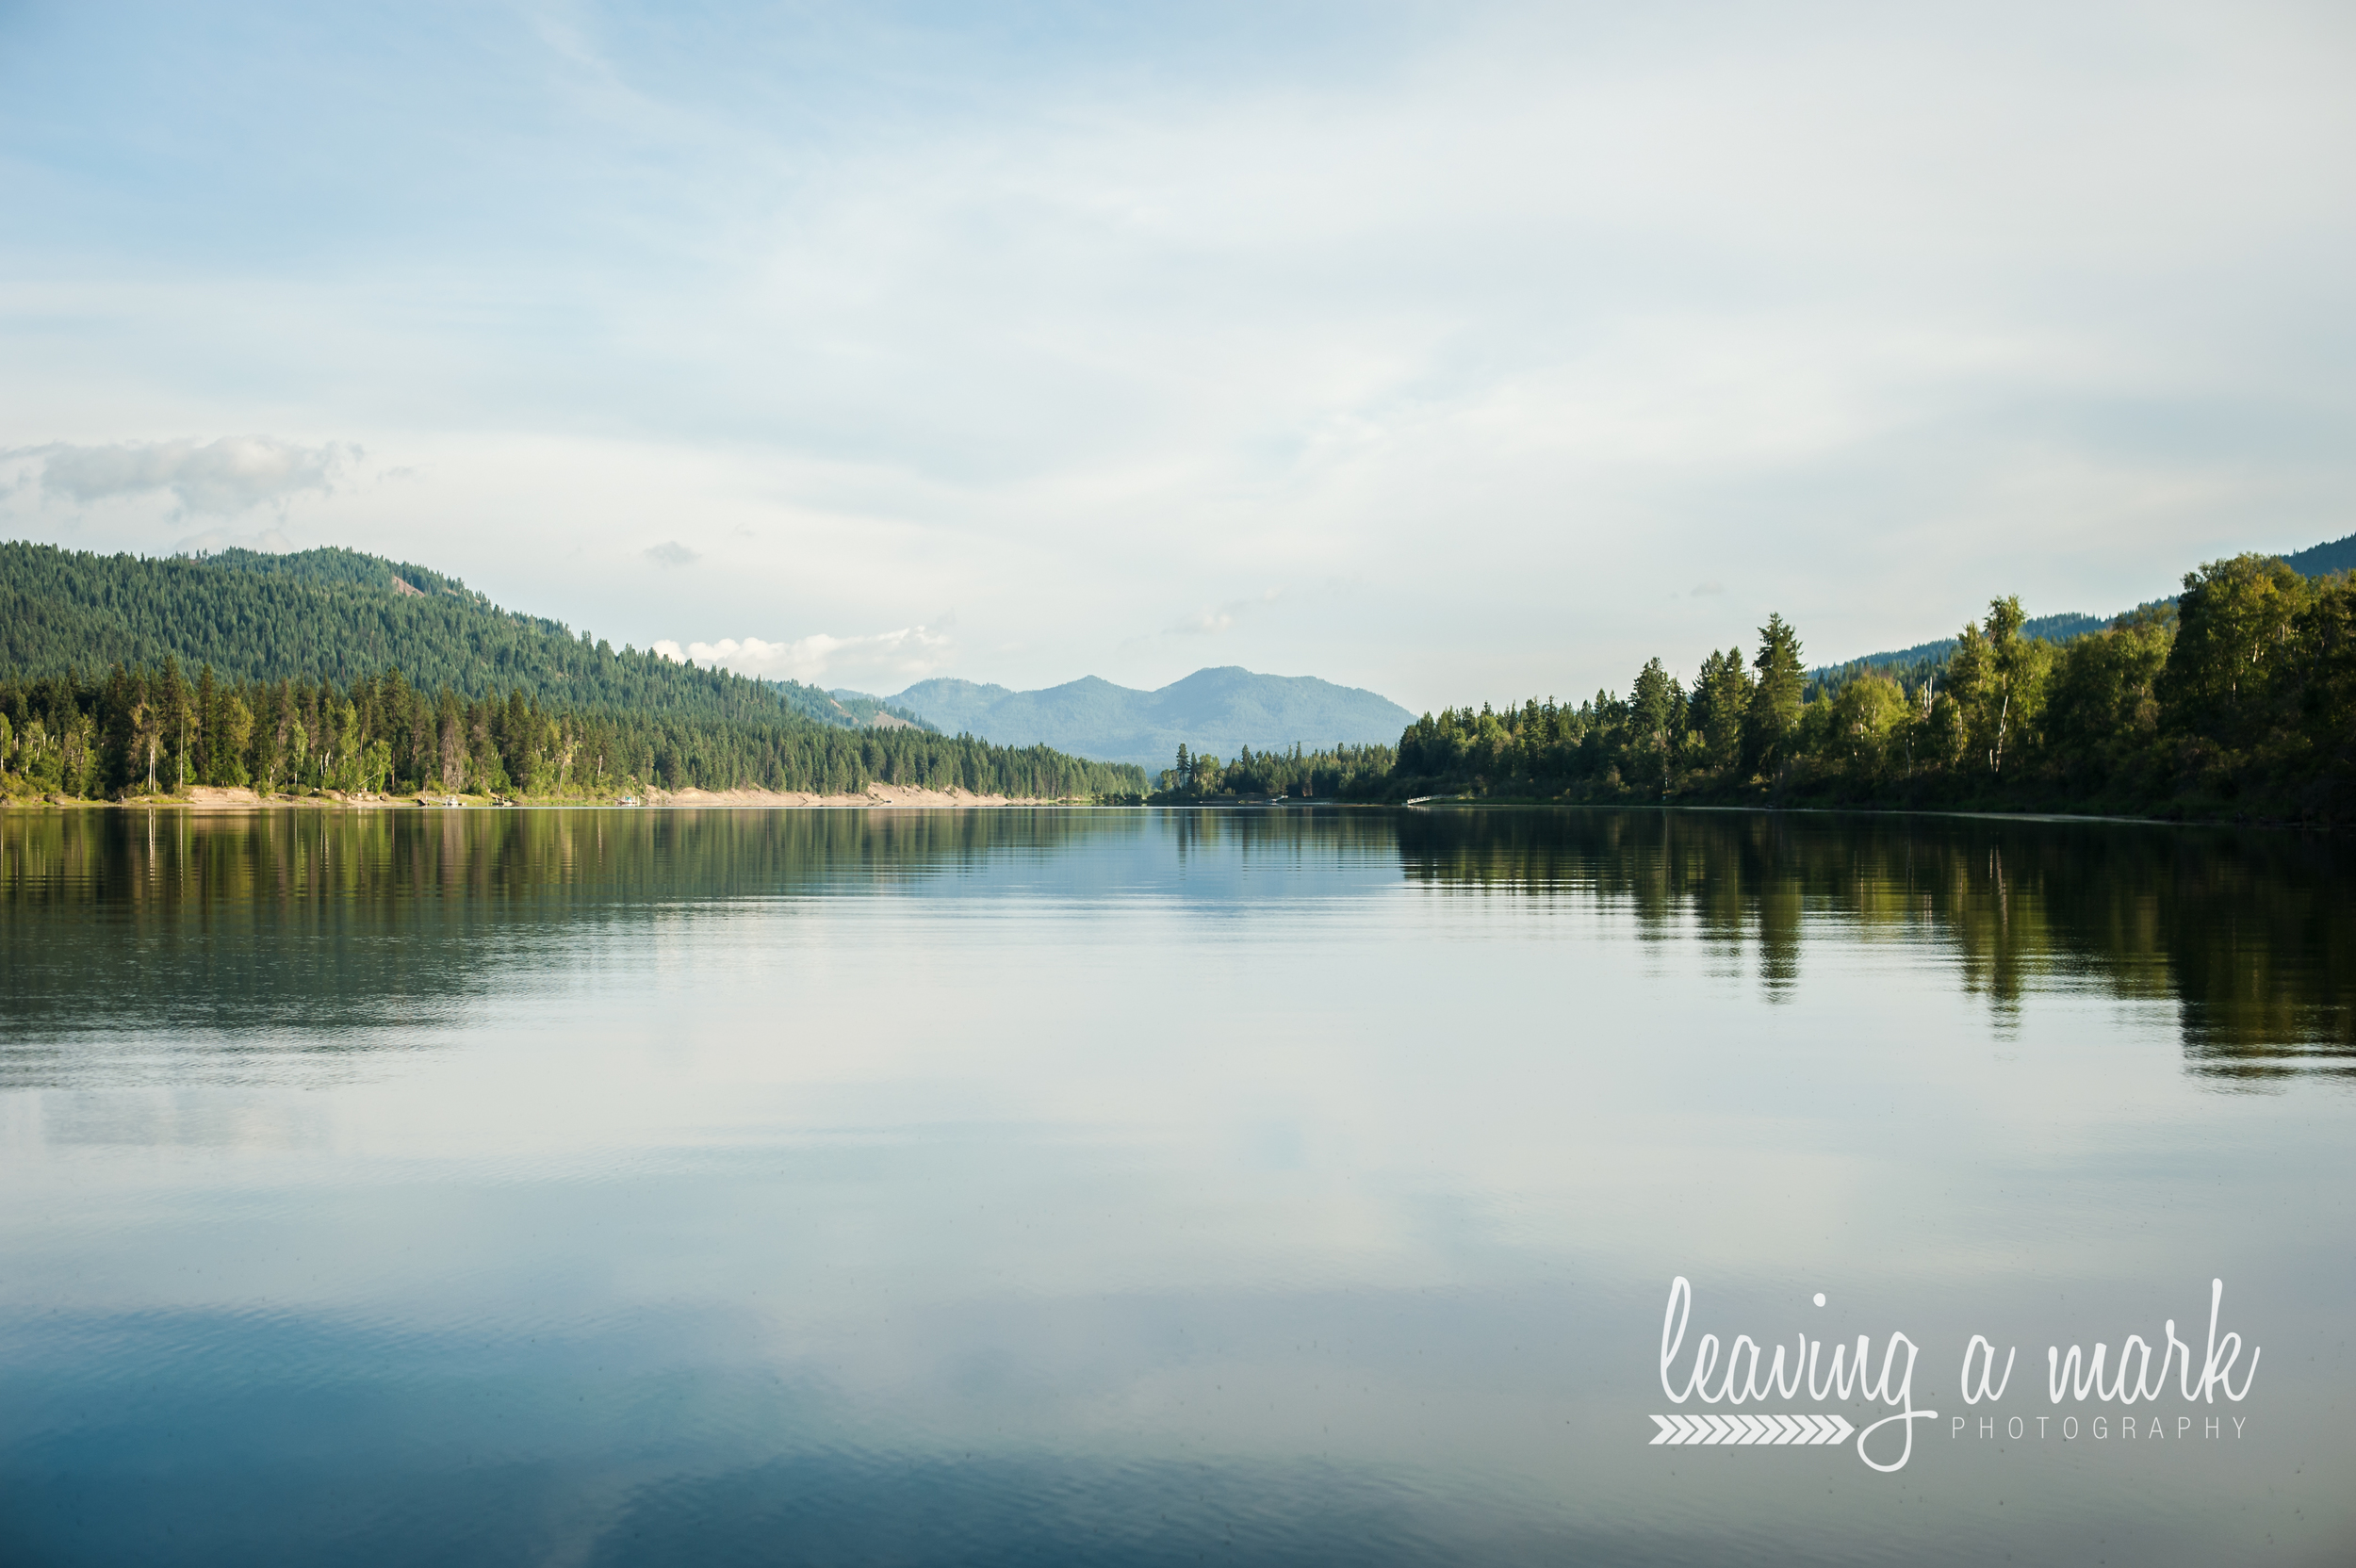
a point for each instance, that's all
(891, 658)
(671, 553)
(224, 477)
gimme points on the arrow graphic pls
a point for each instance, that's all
(1745, 1431)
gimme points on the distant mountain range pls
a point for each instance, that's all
(2336, 555)
(1216, 710)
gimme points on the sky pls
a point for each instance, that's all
(1466, 353)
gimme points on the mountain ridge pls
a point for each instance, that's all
(339, 671)
(1219, 708)
(344, 614)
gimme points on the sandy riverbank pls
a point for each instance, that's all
(907, 795)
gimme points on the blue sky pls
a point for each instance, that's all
(1460, 351)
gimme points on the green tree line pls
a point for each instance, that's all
(1343, 772)
(335, 670)
(137, 731)
(2239, 699)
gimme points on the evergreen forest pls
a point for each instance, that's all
(331, 670)
(2236, 699)
(336, 671)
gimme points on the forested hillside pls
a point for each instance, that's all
(2235, 699)
(333, 669)
(1915, 663)
(339, 615)
(2238, 699)
(2325, 559)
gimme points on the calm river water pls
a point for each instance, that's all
(590, 1188)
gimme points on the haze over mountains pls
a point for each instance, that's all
(1218, 711)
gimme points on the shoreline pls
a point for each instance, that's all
(222, 798)
(210, 798)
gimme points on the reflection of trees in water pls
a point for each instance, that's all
(168, 861)
(1292, 832)
(2252, 934)
(325, 928)
(322, 930)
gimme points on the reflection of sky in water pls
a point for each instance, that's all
(1124, 1186)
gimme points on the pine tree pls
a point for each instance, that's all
(1775, 705)
(178, 719)
(209, 745)
(1654, 706)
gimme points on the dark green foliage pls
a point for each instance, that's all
(1775, 698)
(333, 567)
(316, 671)
(339, 616)
(1344, 772)
(141, 730)
(2237, 700)
(2318, 682)
(2233, 637)
(2329, 560)
(1910, 665)
(2104, 710)
(1721, 702)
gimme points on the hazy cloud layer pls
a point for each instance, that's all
(233, 474)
